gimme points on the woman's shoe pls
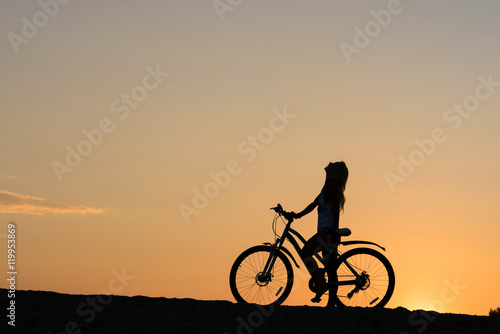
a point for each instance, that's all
(322, 288)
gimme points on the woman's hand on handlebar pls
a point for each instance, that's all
(288, 215)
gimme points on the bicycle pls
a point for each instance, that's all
(264, 275)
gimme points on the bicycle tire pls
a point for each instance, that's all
(381, 279)
(244, 283)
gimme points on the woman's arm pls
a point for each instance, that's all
(308, 209)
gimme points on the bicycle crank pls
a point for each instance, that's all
(312, 283)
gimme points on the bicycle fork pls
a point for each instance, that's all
(266, 275)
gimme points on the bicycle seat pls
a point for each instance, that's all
(343, 232)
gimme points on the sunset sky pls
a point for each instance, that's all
(150, 138)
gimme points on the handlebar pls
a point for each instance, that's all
(279, 210)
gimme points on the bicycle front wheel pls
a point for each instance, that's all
(249, 284)
(374, 283)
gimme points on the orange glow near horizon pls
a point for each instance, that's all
(155, 140)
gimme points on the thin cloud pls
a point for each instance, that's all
(9, 177)
(18, 203)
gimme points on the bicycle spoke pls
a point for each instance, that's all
(251, 288)
(374, 281)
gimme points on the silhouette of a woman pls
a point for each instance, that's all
(330, 203)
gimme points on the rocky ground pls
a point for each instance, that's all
(49, 312)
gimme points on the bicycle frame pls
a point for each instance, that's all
(289, 234)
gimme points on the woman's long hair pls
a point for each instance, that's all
(339, 175)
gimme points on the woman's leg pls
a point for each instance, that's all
(318, 242)
(332, 273)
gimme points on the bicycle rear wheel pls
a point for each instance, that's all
(247, 283)
(375, 285)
